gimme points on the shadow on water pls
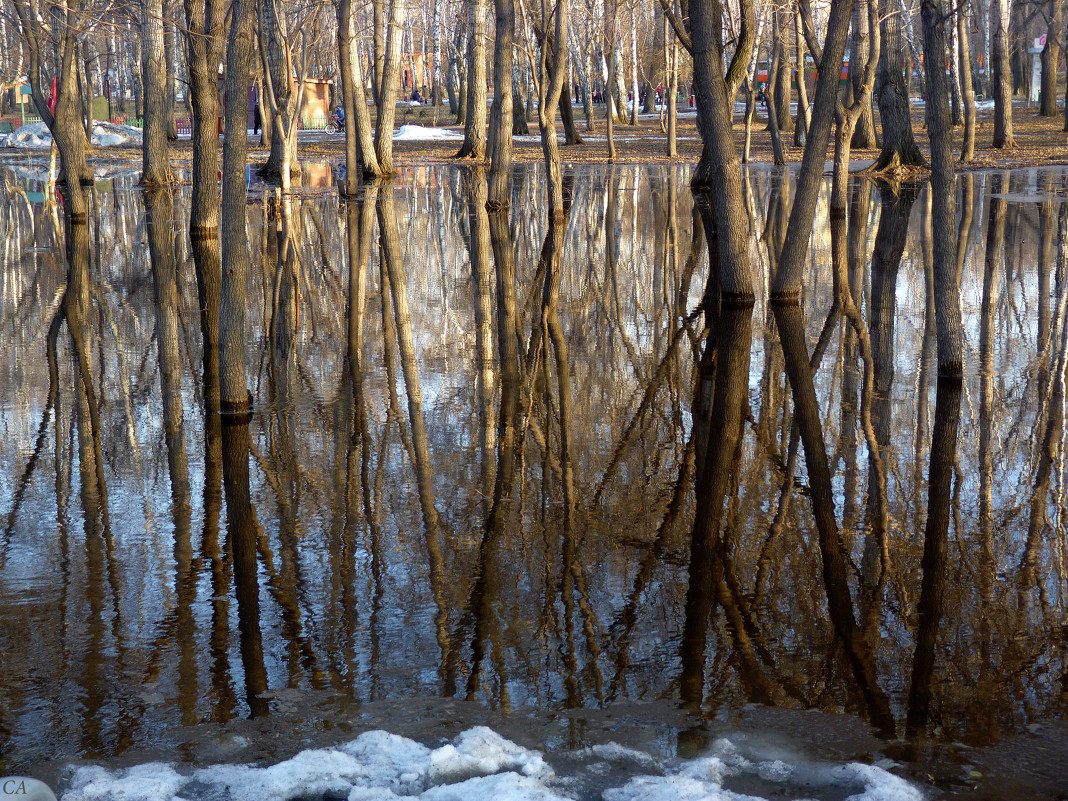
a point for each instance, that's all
(533, 472)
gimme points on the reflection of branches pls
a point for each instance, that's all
(649, 394)
(42, 429)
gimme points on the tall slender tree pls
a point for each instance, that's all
(474, 144)
(1001, 74)
(500, 128)
(156, 169)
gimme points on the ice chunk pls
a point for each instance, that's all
(879, 784)
(706, 769)
(774, 771)
(481, 764)
(481, 751)
(672, 788)
(614, 752)
(309, 773)
(391, 761)
(153, 781)
(500, 787)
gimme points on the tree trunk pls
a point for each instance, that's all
(204, 46)
(967, 151)
(864, 135)
(1051, 56)
(155, 169)
(65, 124)
(474, 145)
(634, 70)
(719, 173)
(451, 78)
(891, 86)
(501, 115)
(567, 115)
(611, 89)
(672, 99)
(519, 113)
(233, 385)
(1000, 74)
(778, 155)
(169, 36)
(360, 158)
(550, 86)
(379, 48)
(786, 285)
(956, 105)
(387, 107)
(281, 93)
(803, 114)
(783, 79)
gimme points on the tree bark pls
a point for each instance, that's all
(1000, 75)
(281, 93)
(864, 135)
(501, 115)
(360, 158)
(786, 285)
(967, 152)
(567, 116)
(155, 168)
(233, 384)
(718, 179)
(169, 37)
(474, 145)
(550, 86)
(1051, 56)
(387, 106)
(610, 89)
(783, 74)
(891, 87)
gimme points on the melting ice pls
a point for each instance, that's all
(480, 764)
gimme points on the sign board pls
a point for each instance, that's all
(25, 90)
(1036, 77)
(1040, 41)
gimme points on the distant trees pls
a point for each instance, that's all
(147, 60)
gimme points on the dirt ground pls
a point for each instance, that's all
(1039, 141)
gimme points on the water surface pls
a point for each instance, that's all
(470, 496)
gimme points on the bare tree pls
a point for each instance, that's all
(360, 157)
(474, 145)
(1000, 74)
(552, 73)
(891, 87)
(500, 128)
(155, 170)
(967, 151)
(1051, 56)
(387, 99)
(864, 135)
(64, 119)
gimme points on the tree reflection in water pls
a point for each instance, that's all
(534, 464)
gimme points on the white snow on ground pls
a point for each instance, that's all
(480, 764)
(420, 133)
(105, 134)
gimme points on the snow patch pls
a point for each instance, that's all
(479, 763)
(105, 134)
(420, 133)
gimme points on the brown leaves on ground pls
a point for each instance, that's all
(1039, 141)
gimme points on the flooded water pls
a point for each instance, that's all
(468, 488)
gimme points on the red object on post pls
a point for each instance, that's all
(53, 97)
